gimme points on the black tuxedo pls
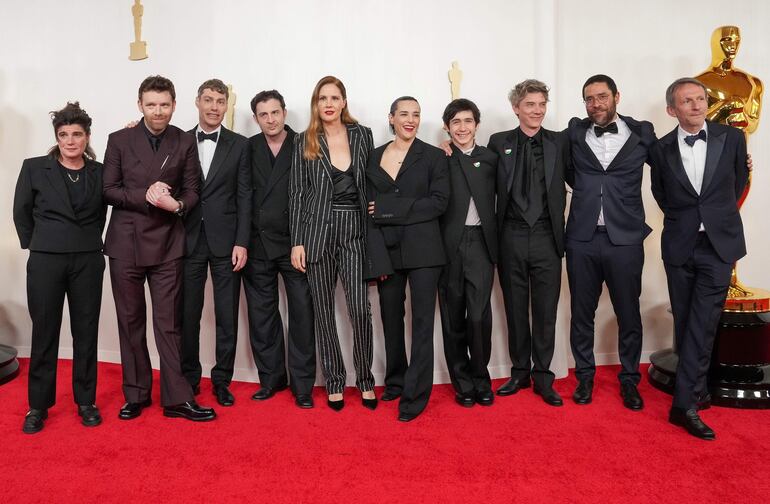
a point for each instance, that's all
(698, 264)
(612, 253)
(530, 254)
(65, 243)
(269, 255)
(465, 285)
(406, 220)
(219, 222)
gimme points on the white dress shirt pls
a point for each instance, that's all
(606, 147)
(206, 149)
(472, 217)
(693, 160)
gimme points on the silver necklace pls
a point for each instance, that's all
(77, 177)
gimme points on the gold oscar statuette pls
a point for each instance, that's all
(138, 46)
(230, 114)
(455, 78)
(735, 99)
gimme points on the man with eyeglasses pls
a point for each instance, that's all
(605, 232)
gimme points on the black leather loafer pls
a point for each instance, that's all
(631, 398)
(584, 392)
(513, 385)
(131, 410)
(190, 411)
(89, 415)
(690, 420)
(265, 393)
(465, 399)
(406, 417)
(485, 397)
(223, 395)
(304, 401)
(550, 396)
(33, 422)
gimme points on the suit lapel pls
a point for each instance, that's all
(413, 155)
(674, 159)
(282, 160)
(549, 159)
(715, 143)
(224, 144)
(510, 148)
(624, 151)
(326, 161)
(57, 181)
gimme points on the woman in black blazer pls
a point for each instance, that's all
(408, 192)
(59, 217)
(327, 210)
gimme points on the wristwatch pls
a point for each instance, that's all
(180, 210)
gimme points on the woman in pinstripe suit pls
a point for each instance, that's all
(327, 205)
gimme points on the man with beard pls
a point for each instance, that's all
(605, 232)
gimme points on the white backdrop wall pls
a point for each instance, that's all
(54, 51)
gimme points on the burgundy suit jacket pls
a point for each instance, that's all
(139, 232)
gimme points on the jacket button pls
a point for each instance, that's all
(396, 189)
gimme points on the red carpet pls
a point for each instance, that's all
(519, 450)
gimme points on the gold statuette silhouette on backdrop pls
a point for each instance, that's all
(455, 78)
(138, 46)
(734, 98)
(230, 114)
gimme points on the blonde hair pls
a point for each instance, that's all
(315, 128)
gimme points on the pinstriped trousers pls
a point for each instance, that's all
(343, 256)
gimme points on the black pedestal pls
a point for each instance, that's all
(9, 366)
(740, 364)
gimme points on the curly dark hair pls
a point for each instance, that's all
(71, 114)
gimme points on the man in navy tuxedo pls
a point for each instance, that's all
(605, 232)
(699, 172)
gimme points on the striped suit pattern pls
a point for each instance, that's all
(334, 240)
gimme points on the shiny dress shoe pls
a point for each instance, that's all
(369, 403)
(485, 397)
(191, 411)
(132, 410)
(406, 417)
(583, 392)
(465, 399)
(704, 402)
(223, 395)
(631, 398)
(89, 415)
(33, 422)
(513, 385)
(550, 396)
(336, 405)
(267, 392)
(304, 401)
(690, 420)
(390, 395)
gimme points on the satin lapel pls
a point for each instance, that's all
(582, 129)
(549, 160)
(282, 161)
(510, 148)
(57, 181)
(224, 144)
(674, 160)
(715, 143)
(627, 149)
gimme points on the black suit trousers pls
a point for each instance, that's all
(266, 328)
(697, 291)
(529, 269)
(413, 380)
(51, 277)
(227, 286)
(464, 292)
(589, 265)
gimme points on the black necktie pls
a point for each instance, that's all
(208, 136)
(610, 128)
(154, 142)
(691, 139)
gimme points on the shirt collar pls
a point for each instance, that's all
(681, 133)
(218, 130)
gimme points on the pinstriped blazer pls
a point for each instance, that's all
(311, 190)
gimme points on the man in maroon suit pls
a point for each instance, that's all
(151, 176)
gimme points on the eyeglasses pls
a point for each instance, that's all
(602, 99)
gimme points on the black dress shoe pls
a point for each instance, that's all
(223, 395)
(631, 398)
(690, 420)
(267, 392)
(406, 417)
(485, 397)
(336, 405)
(89, 415)
(132, 410)
(390, 395)
(191, 411)
(304, 401)
(33, 422)
(465, 399)
(583, 392)
(550, 396)
(513, 385)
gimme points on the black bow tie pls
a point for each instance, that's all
(691, 139)
(610, 128)
(208, 136)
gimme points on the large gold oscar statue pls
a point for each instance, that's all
(734, 98)
(138, 48)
